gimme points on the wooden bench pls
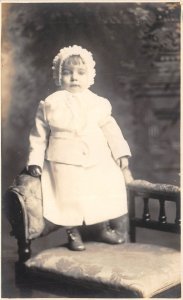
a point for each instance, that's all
(129, 270)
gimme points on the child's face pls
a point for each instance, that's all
(74, 77)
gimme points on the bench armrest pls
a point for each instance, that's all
(141, 190)
(24, 198)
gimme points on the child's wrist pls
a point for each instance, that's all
(123, 162)
(127, 175)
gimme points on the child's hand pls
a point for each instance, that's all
(34, 170)
(124, 166)
(127, 175)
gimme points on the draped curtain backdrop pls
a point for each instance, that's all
(136, 47)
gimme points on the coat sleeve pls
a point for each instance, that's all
(38, 139)
(116, 141)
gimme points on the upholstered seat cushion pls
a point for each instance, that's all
(144, 269)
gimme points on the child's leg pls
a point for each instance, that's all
(121, 226)
(75, 242)
(109, 235)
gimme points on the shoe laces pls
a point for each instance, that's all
(110, 229)
(72, 235)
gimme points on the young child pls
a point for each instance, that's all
(79, 151)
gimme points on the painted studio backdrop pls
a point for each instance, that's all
(137, 52)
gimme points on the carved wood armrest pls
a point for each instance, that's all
(141, 190)
(23, 208)
(16, 216)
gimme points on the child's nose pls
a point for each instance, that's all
(74, 75)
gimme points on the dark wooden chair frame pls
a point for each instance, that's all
(158, 193)
(136, 190)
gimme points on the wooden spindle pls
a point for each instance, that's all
(162, 214)
(177, 218)
(131, 203)
(146, 214)
(24, 249)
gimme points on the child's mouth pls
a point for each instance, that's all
(75, 85)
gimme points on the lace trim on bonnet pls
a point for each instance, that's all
(69, 51)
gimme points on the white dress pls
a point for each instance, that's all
(76, 141)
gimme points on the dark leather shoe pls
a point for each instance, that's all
(75, 242)
(109, 235)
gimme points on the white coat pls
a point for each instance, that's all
(76, 141)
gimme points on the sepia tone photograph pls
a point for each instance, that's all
(90, 149)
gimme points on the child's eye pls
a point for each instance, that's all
(82, 72)
(66, 72)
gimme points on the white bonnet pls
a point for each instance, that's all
(69, 51)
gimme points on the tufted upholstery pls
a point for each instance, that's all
(28, 191)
